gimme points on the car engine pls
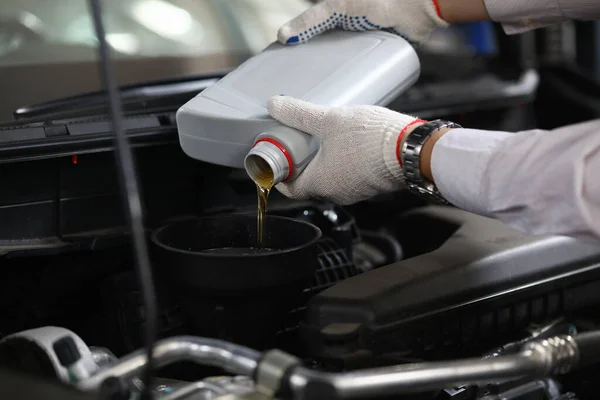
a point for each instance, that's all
(372, 321)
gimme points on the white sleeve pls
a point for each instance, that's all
(519, 16)
(539, 182)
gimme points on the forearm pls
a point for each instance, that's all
(457, 11)
(540, 182)
(518, 15)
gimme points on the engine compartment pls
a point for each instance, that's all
(474, 289)
(453, 287)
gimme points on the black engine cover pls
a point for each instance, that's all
(483, 282)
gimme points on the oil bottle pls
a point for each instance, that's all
(228, 123)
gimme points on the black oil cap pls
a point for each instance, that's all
(66, 351)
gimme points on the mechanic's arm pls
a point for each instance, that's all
(519, 16)
(416, 19)
(540, 182)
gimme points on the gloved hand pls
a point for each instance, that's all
(358, 157)
(412, 19)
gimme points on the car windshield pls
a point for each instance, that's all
(48, 47)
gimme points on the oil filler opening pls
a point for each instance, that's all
(266, 164)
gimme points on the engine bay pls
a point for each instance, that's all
(376, 300)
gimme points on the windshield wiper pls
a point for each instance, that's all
(154, 93)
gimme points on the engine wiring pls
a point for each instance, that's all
(129, 187)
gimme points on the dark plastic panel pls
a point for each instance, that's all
(483, 278)
(20, 134)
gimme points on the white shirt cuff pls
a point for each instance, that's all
(459, 163)
(517, 10)
(517, 16)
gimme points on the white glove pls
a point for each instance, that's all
(358, 157)
(412, 19)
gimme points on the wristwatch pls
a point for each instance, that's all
(411, 156)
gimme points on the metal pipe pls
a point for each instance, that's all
(217, 353)
(437, 375)
(194, 388)
(535, 360)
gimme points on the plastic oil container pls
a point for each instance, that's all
(228, 123)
